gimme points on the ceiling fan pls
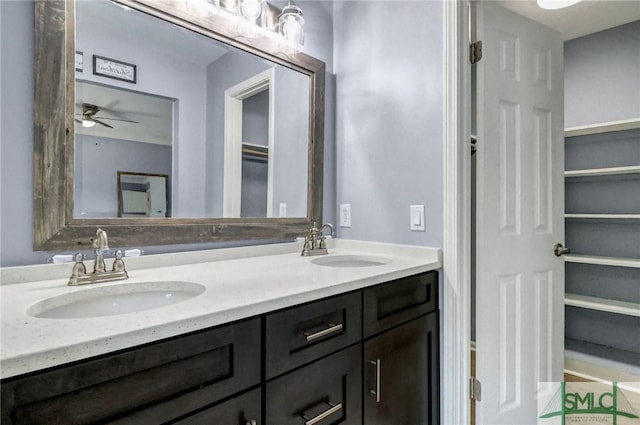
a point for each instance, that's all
(89, 118)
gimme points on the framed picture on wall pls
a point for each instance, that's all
(112, 68)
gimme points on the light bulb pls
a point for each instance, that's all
(251, 9)
(292, 31)
(88, 123)
(291, 27)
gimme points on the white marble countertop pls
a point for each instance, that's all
(240, 283)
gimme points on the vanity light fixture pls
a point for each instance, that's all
(204, 8)
(291, 27)
(257, 18)
(556, 4)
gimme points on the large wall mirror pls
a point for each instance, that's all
(139, 88)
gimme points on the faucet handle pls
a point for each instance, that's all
(118, 263)
(79, 268)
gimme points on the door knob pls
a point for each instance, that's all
(559, 250)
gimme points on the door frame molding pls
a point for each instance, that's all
(232, 180)
(456, 247)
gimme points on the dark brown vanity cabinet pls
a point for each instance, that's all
(367, 357)
(401, 374)
(327, 389)
(401, 352)
(152, 384)
(325, 392)
(301, 334)
(245, 409)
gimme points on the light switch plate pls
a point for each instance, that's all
(417, 218)
(345, 215)
(283, 209)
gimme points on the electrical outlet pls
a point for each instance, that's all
(417, 218)
(345, 215)
(283, 209)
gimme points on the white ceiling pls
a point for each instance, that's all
(584, 18)
(153, 114)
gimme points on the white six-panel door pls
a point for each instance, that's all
(520, 207)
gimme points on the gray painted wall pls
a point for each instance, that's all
(291, 133)
(291, 112)
(602, 82)
(96, 172)
(177, 79)
(389, 66)
(255, 119)
(226, 72)
(16, 129)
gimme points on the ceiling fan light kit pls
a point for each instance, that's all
(556, 4)
(90, 120)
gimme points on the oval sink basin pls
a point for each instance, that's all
(350, 261)
(115, 300)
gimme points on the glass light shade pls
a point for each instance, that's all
(251, 9)
(204, 8)
(88, 123)
(291, 27)
(556, 4)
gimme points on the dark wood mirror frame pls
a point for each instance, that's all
(55, 228)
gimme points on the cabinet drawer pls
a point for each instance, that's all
(398, 301)
(150, 384)
(302, 334)
(245, 409)
(330, 388)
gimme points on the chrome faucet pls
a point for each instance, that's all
(79, 275)
(315, 241)
(100, 247)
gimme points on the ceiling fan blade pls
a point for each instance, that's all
(78, 121)
(116, 119)
(102, 123)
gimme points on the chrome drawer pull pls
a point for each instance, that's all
(376, 392)
(333, 409)
(331, 329)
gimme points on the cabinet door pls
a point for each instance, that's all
(326, 392)
(245, 409)
(401, 374)
(144, 385)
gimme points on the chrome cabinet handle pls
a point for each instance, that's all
(377, 363)
(331, 329)
(330, 411)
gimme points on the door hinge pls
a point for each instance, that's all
(475, 389)
(475, 51)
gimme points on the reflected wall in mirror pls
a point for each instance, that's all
(143, 195)
(129, 131)
(196, 72)
(191, 63)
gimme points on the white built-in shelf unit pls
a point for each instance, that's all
(601, 364)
